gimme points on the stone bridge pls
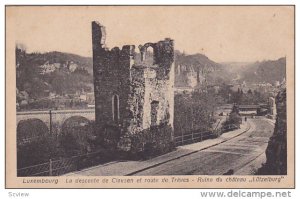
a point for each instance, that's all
(54, 119)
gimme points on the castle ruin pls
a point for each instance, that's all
(134, 94)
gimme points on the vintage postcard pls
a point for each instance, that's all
(150, 97)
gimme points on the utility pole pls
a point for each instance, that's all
(50, 168)
(192, 116)
(50, 115)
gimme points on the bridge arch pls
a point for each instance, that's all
(54, 119)
(76, 131)
(31, 128)
(74, 123)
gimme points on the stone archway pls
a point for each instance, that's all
(76, 132)
(75, 121)
(30, 129)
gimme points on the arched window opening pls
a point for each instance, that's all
(147, 53)
(154, 110)
(115, 108)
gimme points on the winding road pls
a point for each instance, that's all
(223, 159)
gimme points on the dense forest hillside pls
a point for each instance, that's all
(61, 73)
(267, 71)
(41, 73)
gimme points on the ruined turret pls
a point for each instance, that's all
(134, 93)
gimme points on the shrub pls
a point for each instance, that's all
(152, 142)
(37, 151)
(77, 136)
(233, 119)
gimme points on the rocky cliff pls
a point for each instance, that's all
(193, 70)
(276, 151)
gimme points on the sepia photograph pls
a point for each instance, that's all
(150, 96)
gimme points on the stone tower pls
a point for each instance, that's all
(134, 93)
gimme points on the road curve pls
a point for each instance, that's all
(225, 158)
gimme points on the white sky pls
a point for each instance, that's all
(221, 33)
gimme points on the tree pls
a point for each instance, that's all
(193, 112)
(249, 92)
(233, 119)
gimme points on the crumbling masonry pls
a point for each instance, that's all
(134, 94)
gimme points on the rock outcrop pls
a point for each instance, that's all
(276, 151)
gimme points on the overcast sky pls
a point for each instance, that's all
(221, 33)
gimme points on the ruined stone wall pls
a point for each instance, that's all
(154, 139)
(159, 80)
(111, 77)
(138, 79)
(153, 79)
(157, 90)
(136, 101)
